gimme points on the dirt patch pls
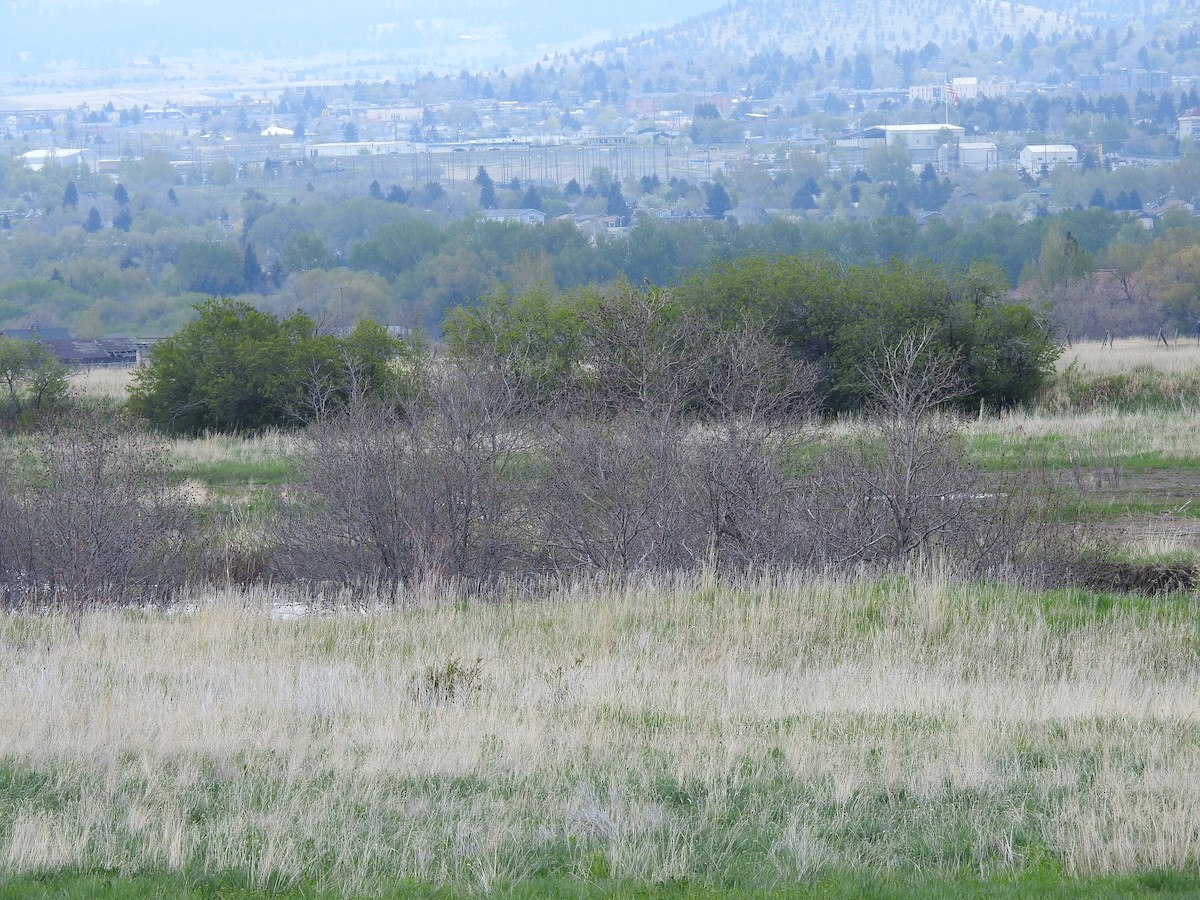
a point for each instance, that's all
(1149, 579)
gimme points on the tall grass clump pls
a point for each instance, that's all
(1141, 387)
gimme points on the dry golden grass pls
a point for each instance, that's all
(679, 729)
(1169, 433)
(107, 382)
(1182, 355)
(215, 449)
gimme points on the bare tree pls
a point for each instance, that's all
(757, 408)
(405, 491)
(642, 352)
(688, 467)
(98, 520)
(615, 494)
(901, 484)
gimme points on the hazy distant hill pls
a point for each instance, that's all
(1053, 40)
(799, 26)
(424, 33)
(410, 35)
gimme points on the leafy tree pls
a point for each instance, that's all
(803, 199)
(236, 368)
(231, 369)
(835, 315)
(864, 78)
(123, 220)
(33, 380)
(305, 250)
(715, 131)
(487, 190)
(213, 269)
(252, 274)
(396, 248)
(427, 196)
(70, 196)
(615, 204)
(717, 201)
(349, 132)
(531, 199)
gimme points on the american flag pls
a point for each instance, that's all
(951, 93)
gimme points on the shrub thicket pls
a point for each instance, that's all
(831, 316)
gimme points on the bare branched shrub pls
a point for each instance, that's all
(902, 487)
(451, 682)
(402, 491)
(615, 495)
(757, 411)
(98, 520)
(900, 481)
(640, 352)
(674, 457)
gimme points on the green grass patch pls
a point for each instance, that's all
(1044, 882)
(239, 473)
(1141, 388)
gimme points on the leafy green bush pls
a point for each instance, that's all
(33, 382)
(236, 368)
(838, 317)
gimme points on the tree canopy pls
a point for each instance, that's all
(235, 368)
(832, 316)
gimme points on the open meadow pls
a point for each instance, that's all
(779, 734)
(833, 733)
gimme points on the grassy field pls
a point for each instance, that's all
(1182, 355)
(782, 735)
(840, 736)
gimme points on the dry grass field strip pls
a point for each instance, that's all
(1182, 355)
(725, 735)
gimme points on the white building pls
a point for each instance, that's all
(978, 156)
(37, 159)
(922, 139)
(960, 89)
(1189, 125)
(1034, 156)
